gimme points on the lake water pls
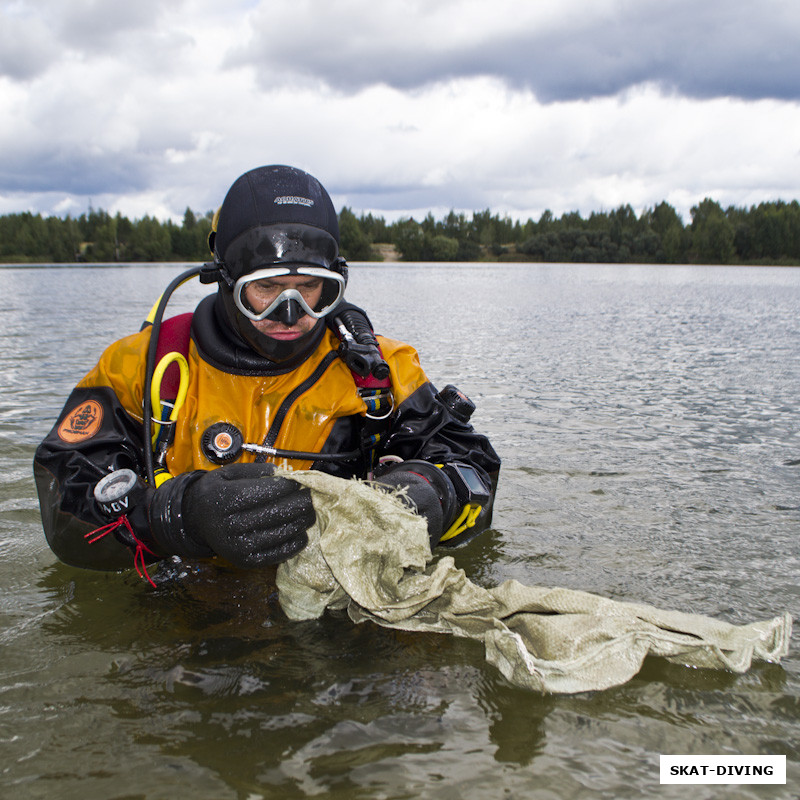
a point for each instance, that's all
(647, 418)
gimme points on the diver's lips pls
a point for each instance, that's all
(284, 336)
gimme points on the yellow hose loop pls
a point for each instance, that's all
(155, 389)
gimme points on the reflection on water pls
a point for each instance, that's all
(647, 418)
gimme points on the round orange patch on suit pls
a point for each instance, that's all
(81, 423)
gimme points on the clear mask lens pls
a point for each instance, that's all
(266, 294)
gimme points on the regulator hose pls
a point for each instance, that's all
(154, 319)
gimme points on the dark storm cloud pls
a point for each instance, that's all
(709, 49)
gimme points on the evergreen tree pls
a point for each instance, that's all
(767, 233)
(712, 233)
(354, 243)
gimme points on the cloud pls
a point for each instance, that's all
(398, 107)
(41, 36)
(27, 45)
(97, 25)
(638, 148)
(558, 49)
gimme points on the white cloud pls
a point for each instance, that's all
(151, 110)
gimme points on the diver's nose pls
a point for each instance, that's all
(288, 313)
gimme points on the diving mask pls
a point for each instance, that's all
(273, 302)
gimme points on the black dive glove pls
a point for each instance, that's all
(242, 512)
(429, 492)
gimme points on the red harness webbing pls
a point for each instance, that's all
(174, 336)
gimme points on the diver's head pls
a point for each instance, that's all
(276, 243)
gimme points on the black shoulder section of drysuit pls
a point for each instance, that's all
(425, 428)
(66, 473)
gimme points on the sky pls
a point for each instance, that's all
(400, 107)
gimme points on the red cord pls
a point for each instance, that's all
(141, 547)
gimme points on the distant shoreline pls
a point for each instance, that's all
(377, 262)
(767, 234)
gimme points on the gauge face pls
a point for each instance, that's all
(115, 486)
(221, 443)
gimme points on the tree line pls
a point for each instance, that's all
(97, 236)
(768, 233)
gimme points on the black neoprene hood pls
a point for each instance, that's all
(268, 198)
(271, 216)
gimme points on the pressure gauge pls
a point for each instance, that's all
(111, 492)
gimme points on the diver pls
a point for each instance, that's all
(169, 446)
